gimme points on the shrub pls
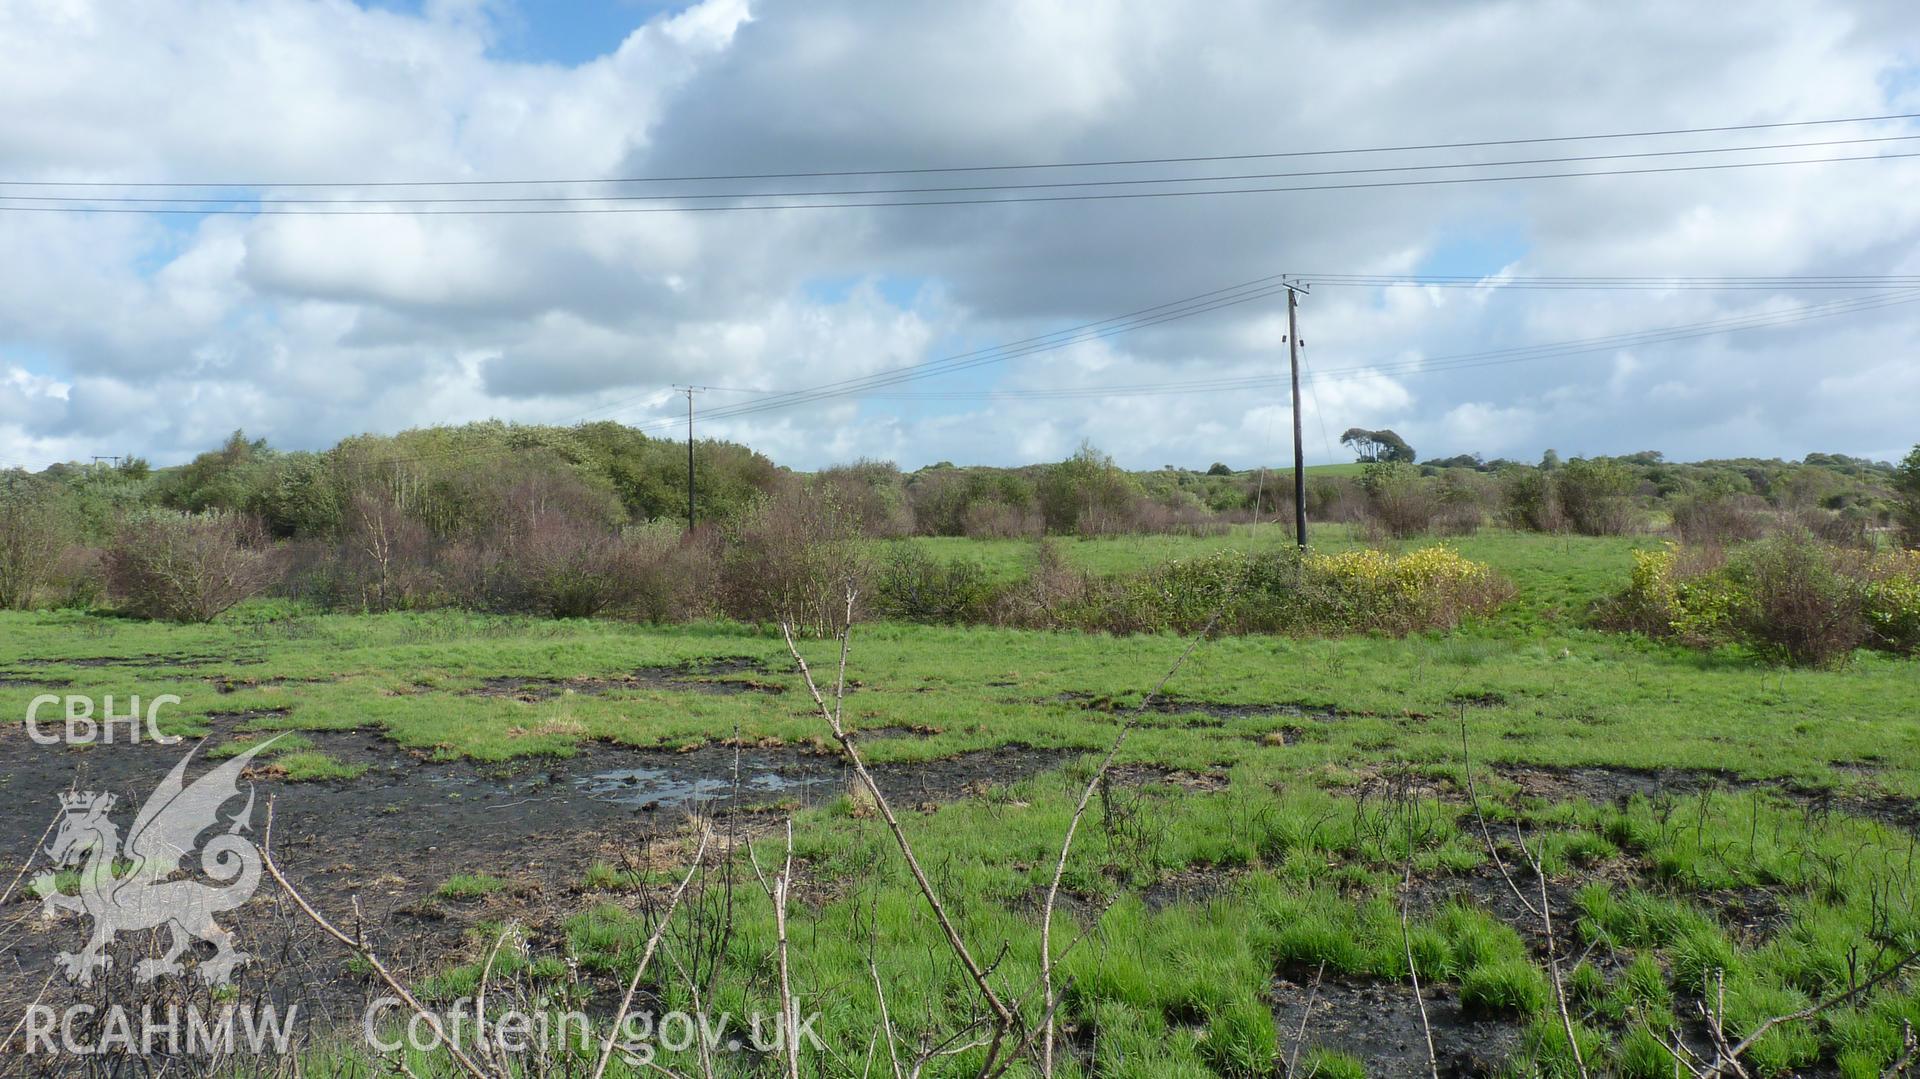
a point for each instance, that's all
(1329, 498)
(1723, 520)
(949, 501)
(997, 520)
(1085, 493)
(188, 567)
(78, 578)
(1906, 485)
(1352, 592)
(566, 568)
(1180, 514)
(1675, 591)
(1891, 601)
(911, 585)
(1400, 502)
(1847, 527)
(874, 493)
(1372, 591)
(1182, 595)
(1789, 597)
(383, 559)
(1268, 496)
(1793, 601)
(1531, 501)
(791, 559)
(1595, 496)
(549, 553)
(1054, 595)
(32, 536)
(1464, 497)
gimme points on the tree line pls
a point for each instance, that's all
(590, 519)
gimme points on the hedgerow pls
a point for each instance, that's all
(1789, 597)
(1361, 591)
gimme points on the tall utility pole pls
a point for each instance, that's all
(689, 391)
(1299, 452)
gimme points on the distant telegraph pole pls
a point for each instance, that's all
(1299, 452)
(689, 392)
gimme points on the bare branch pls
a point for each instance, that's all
(978, 974)
(1300, 1034)
(646, 958)
(1473, 798)
(1413, 969)
(1073, 828)
(480, 1002)
(1834, 1001)
(777, 891)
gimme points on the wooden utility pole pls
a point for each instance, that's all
(1299, 452)
(689, 392)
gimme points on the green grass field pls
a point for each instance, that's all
(1701, 819)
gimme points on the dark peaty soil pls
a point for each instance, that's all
(1378, 1023)
(371, 851)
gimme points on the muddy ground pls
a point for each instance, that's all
(373, 850)
(1610, 785)
(1379, 1023)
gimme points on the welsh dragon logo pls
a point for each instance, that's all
(126, 888)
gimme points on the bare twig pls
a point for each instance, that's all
(1306, 1013)
(777, 891)
(1727, 1054)
(480, 1002)
(1473, 798)
(1905, 1063)
(1834, 1001)
(1553, 968)
(1073, 827)
(1413, 969)
(37, 997)
(1544, 911)
(646, 958)
(361, 948)
(975, 971)
(886, 1021)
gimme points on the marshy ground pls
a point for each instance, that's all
(1697, 816)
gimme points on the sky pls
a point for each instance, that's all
(158, 335)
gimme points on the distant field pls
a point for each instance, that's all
(1694, 812)
(1558, 576)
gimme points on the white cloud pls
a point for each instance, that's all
(169, 332)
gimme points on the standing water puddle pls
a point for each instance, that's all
(658, 787)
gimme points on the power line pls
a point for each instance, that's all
(1258, 288)
(1185, 307)
(872, 204)
(1121, 162)
(991, 356)
(248, 201)
(1661, 284)
(1437, 364)
(871, 388)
